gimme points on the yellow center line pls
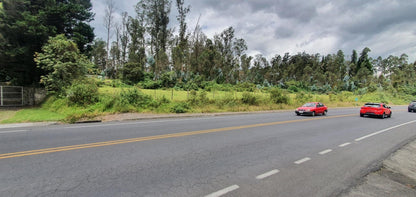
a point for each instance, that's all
(140, 139)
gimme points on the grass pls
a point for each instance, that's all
(34, 115)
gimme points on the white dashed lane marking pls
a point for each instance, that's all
(267, 174)
(325, 151)
(223, 191)
(302, 160)
(344, 144)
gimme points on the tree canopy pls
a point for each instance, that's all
(25, 26)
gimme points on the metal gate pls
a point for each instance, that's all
(11, 96)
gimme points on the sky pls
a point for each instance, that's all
(276, 27)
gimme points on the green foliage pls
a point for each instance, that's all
(250, 99)
(132, 73)
(277, 96)
(134, 97)
(180, 108)
(25, 27)
(198, 99)
(62, 62)
(82, 93)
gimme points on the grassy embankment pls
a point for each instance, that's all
(112, 100)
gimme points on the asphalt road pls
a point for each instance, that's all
(267, 154)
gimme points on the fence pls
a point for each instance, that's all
(11, 96)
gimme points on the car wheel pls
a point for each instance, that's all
(297, 114)
(409, 110)
(390, 115)
(361, 115)
(383, 116)
(324, 113)
(313, 113)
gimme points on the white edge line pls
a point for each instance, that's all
(267, 174)
(223, 191)
(384, 130)
(344, 144)
(15, 131)
(325, 151)
(302, 160)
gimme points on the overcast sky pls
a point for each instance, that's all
(270, 27)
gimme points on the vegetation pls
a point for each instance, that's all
(150, 68)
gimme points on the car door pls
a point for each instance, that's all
(320, 108)
(386, 109)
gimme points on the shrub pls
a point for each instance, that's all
(249, 98)
(277, 96)
(82, 93)
(135, 98)
(180, 108)
(150, 84)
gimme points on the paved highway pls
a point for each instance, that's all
(266, 154)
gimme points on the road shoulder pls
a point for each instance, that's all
(397, 176)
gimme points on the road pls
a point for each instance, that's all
(262, 154)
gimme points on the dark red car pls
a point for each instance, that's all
(375, 109)
(312, 108)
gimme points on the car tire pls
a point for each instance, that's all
(390, 115)
(361, 115)
(383, 116)
(409, 110)
(324, 113)
(297, 114)
(313, 113)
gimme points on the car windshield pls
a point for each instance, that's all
(372, 105)
(309, 105)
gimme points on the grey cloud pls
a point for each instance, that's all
(279, 26)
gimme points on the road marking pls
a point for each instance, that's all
(384, 130)
(325, 151)
(156, 137)
(15, 131)
(223, 191)
(267, 174)
(302, 160)
(344, 144)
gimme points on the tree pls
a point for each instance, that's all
(62, 61)
(99, 54)
(109, 24)
(25, 27)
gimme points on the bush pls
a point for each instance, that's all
(135, 98)
(82, 93)
(180, 108)
(198, 99)
(150, 84)
(249, 98)
(277, 96)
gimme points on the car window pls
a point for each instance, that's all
(372, 105)
(309, 105)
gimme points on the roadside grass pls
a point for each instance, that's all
(33, 115)
(123, 99)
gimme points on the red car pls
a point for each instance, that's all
(375, 109)
(312, 108)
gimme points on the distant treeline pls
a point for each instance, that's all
(147, 51)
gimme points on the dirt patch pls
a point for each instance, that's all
(6, 113)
